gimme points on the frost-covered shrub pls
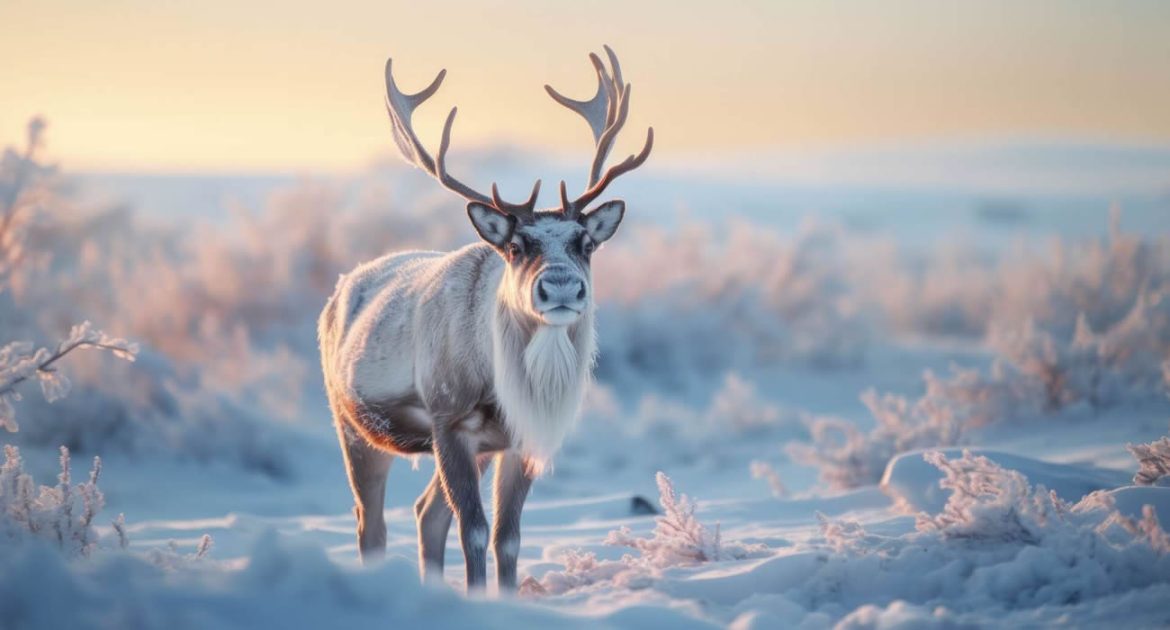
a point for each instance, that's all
(1154, 461)
(201, 391)
(1002, 549)
(1102, 368)
(1098, 280)
(991, 504)
(678, 537)
(763, 470)
(24, 192)
(171, 558)
(62, 514)
(684, 434)
(957, 292)
(736, 408)
(685, 304)
(1033, 378)
(266, 273)
(1082, 321)
(24, 182)
(842, 535)
(164, 408)
(1000, 545)
(848, 457)
(988, 502)
(844, 455)
(1087, 321)
(581, 569)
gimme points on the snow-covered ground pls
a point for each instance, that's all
(775, 376)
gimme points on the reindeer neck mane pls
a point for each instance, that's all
(541, 373)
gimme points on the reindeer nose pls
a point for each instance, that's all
(557, 289)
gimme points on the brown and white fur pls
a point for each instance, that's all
(480, 353)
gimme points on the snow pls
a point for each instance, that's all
(861, 424)
(283, 584)
(1131, 499)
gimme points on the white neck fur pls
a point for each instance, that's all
(540, 381)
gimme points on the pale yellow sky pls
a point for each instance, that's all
(219, 85)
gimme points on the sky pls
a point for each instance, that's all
(213, 85)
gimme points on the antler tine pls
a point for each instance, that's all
(597, 110)
(632, 162)
(440, 172)
(605, 143)
(566, 205)
(617, 105)
(519, 210)
(613, 63)
(401, 108)
(612, 91)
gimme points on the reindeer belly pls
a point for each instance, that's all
(402, 425)
(399, 425)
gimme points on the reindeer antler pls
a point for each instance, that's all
(401, 107)
(606, 114)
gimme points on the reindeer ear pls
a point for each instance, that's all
(603, 221)
(493, 226)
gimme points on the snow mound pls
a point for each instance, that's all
(1130, 500)
(1002, 552)
(913, 482)
(283, 585)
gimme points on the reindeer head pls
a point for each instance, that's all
(547, 252)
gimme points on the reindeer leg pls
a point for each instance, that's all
(434, 522)
(367, 467)
(511, 489)
(456, 463)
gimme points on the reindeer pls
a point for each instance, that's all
(475, 354)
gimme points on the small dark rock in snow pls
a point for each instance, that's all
(639, 506)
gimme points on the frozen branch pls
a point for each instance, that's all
(19, 362)
(1154, 461)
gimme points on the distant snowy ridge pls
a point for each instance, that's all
(1004, 166)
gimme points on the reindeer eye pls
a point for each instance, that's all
(513, 249)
